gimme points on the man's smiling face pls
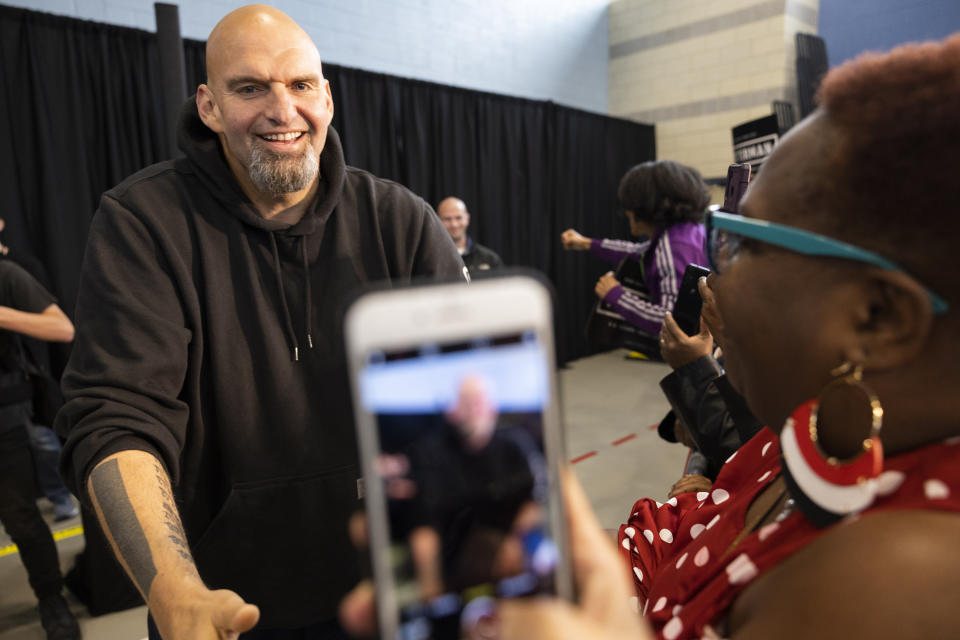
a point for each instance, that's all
(268, 102)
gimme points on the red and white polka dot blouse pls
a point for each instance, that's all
(685, 577)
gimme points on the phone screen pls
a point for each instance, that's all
(463, 471)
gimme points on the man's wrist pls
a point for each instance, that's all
(177, 591)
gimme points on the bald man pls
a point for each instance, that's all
(456, 219)
(208, 419)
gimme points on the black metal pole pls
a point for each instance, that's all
(172, 71)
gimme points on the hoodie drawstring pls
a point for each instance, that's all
(291, 333)
(283, 297)
(306, 279)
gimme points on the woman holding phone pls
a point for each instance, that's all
(838, 315)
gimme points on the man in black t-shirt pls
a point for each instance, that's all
(26, 308)
(44, 442)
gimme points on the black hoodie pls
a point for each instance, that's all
(191, 311)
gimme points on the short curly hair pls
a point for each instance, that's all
(894, 167)
(664, 192)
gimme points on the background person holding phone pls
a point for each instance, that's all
(706, 414)
(664, 201)
(710, 416)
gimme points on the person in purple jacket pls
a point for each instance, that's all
(664, 201)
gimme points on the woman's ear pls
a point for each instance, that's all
(896, 319)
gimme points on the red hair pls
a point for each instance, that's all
(897, 161)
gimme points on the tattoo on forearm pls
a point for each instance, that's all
(123, 524)
(170, 518)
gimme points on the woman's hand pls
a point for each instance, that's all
(677, 348)
(604, 284)
(690, 482)
(358, 611)
(573, 241)
(604, 612)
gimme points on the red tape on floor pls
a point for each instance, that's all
(589, 454)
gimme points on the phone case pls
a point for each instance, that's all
(738, 177)
(686, 311)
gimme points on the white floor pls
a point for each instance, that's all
(609, 405)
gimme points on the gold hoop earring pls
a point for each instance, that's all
(826, 488)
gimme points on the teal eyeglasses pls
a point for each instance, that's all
(726, 231)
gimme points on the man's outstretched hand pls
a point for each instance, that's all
(201, 614)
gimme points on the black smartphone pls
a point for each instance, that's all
(686, 311)
(738, 177)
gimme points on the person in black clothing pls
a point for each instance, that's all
(43, 441)
(208, 416)
(455, 217)
(28, 309)
(472, 480)
(30, 264)
(707, 414)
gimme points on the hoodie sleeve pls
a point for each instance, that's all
(129, 357)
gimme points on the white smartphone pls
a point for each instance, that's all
(459, 430)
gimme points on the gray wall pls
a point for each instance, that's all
(541, 49)
(852, 26)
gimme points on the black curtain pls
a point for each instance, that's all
(80, 110)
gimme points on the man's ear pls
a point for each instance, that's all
(208, 109)
(329, 100)
(897, 320)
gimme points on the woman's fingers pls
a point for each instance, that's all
(358, 611)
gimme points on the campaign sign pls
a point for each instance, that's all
(753, 141)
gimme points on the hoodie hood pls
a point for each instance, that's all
(203, 150)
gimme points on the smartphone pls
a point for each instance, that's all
(686, 311)
(459, 431)
(738, 178)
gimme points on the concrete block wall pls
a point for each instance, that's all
(541, 49)
(697, 68)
